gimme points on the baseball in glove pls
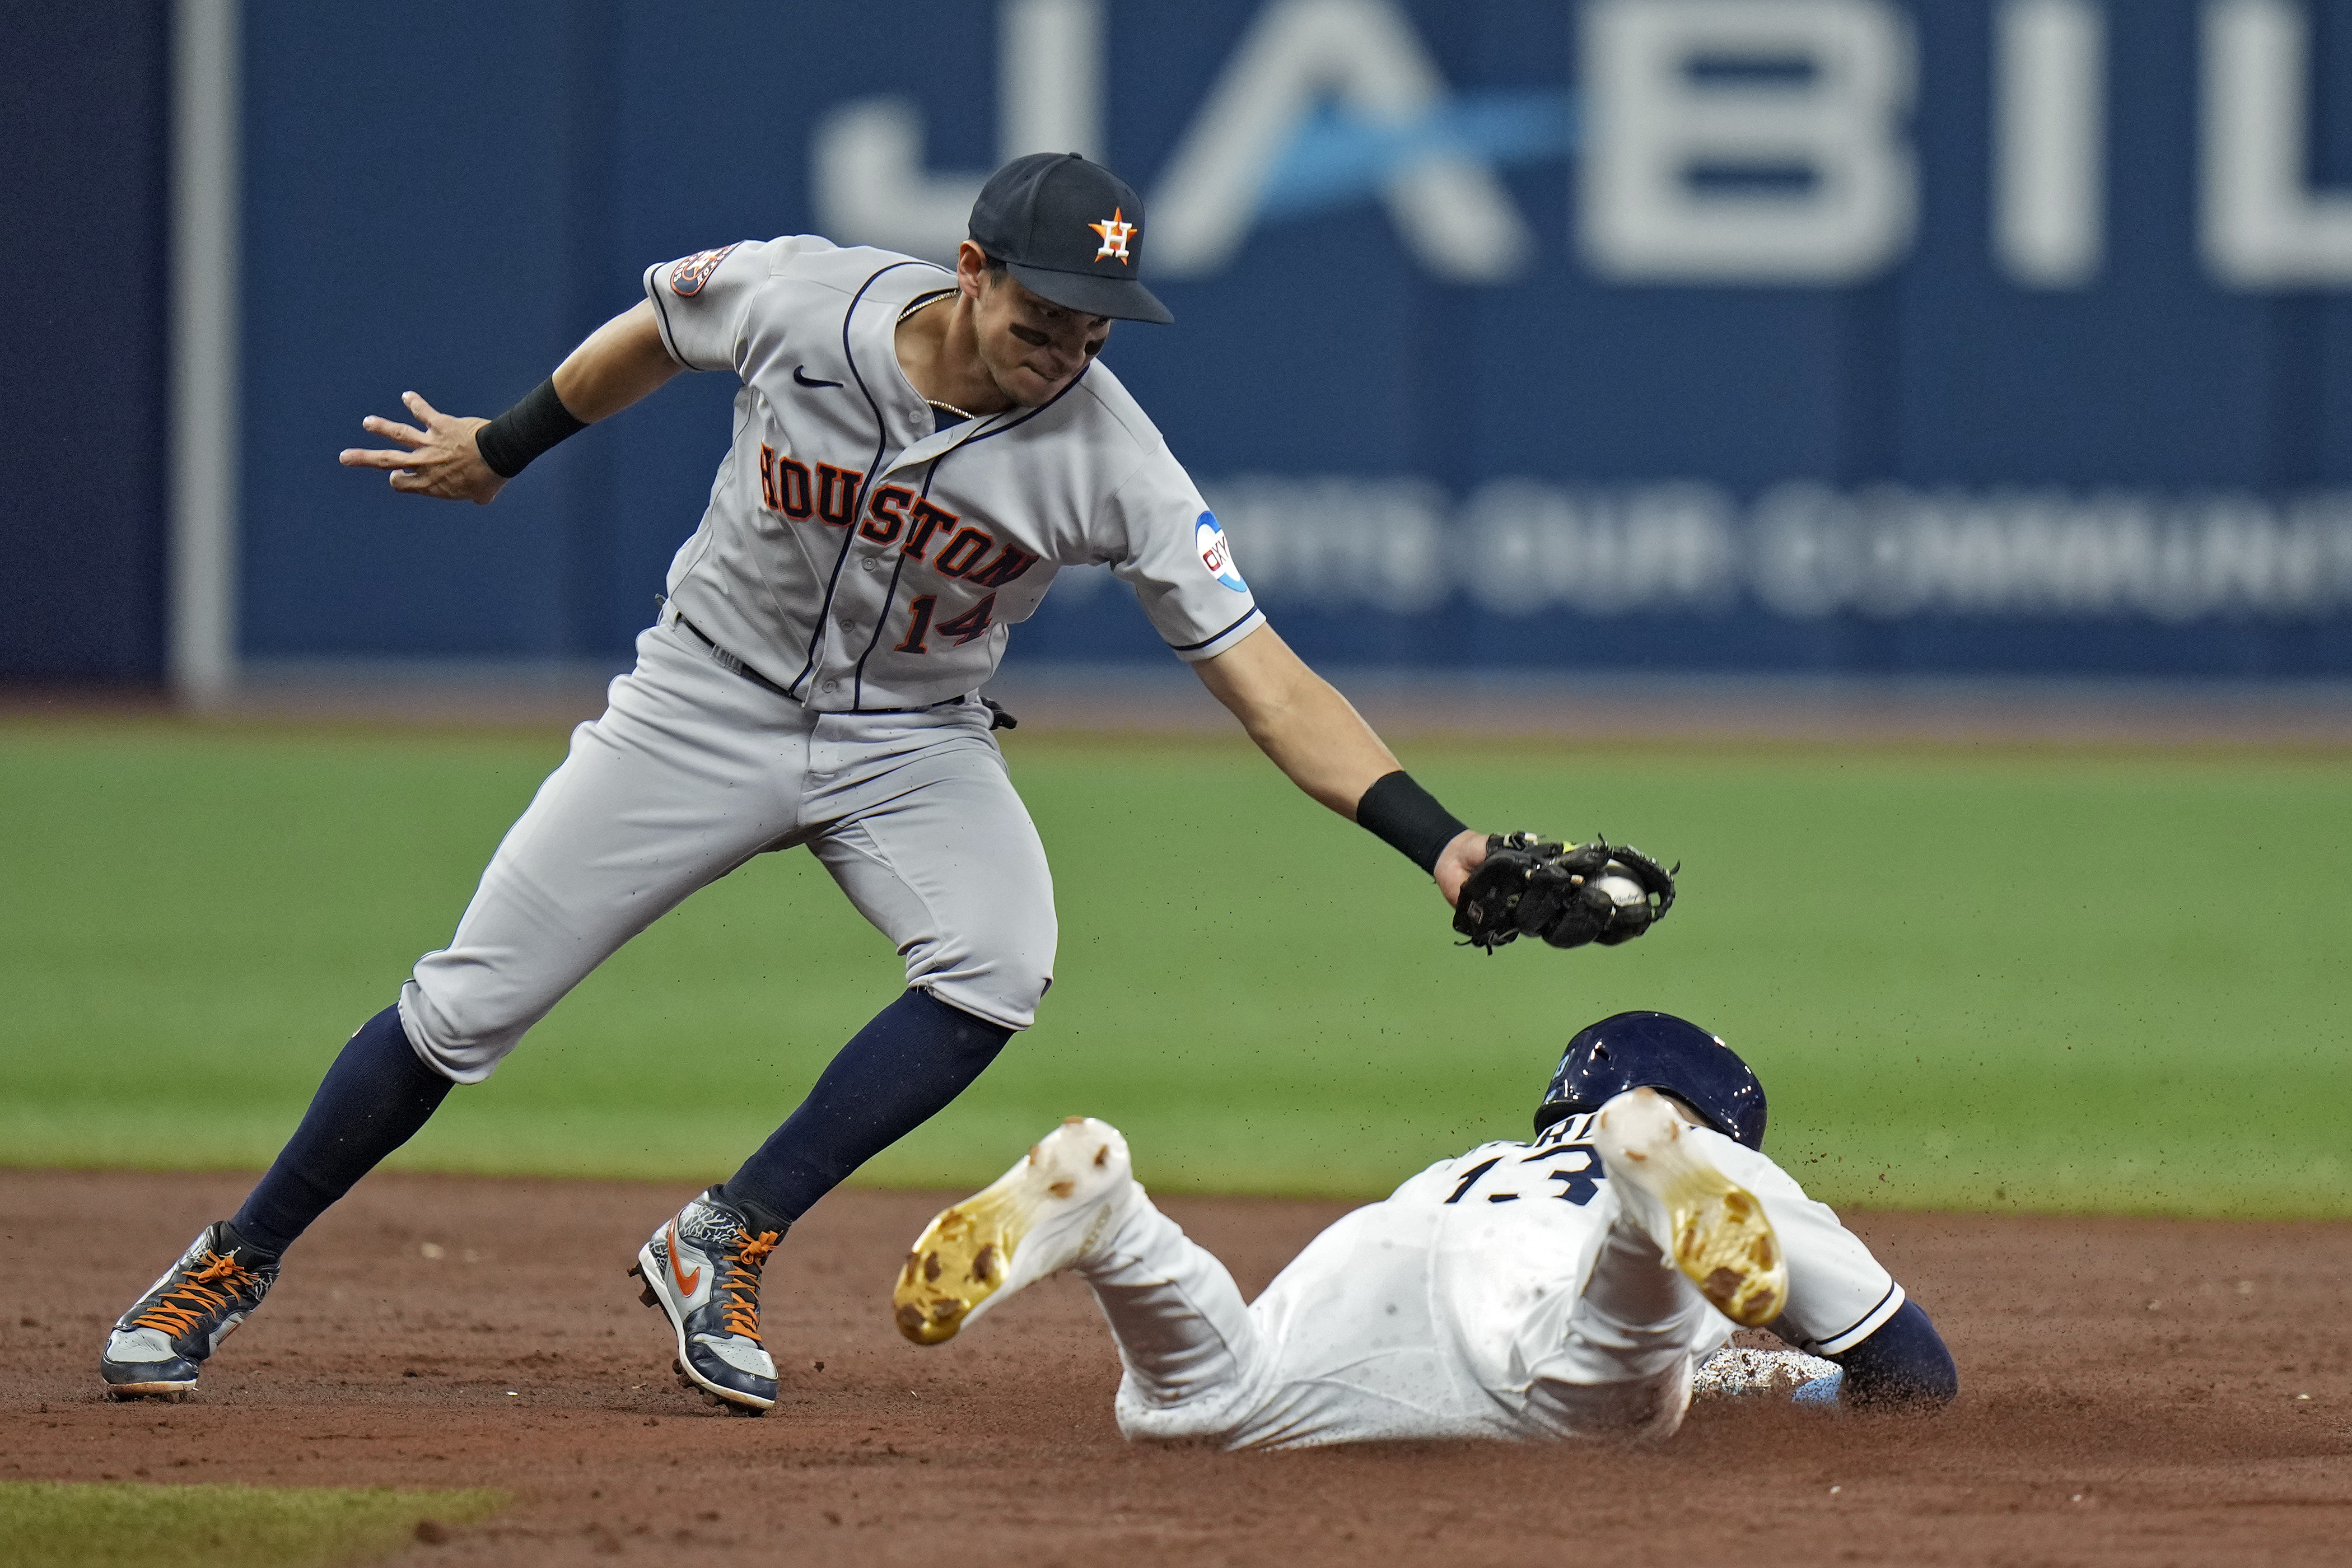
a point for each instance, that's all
(1568, 895)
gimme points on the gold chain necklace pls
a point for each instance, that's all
(914, 305)
(920, 300)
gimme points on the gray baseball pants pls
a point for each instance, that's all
(692, 771)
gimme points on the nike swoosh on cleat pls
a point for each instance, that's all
(684, 1283)
(801, 375)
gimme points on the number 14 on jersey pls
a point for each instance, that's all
(962, 627)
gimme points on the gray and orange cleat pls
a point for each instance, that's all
(159, 1345)
(702, 1269)
(1069, 1194)
(1713, 1229)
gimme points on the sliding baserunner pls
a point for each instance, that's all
(1571, 1286)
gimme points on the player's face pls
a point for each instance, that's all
(1032, 348)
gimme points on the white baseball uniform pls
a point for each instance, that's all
(1503, 1293)
(814, 678)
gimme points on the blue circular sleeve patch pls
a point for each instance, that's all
(1216, 555)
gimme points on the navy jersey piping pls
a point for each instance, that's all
(1892, 1285)
(668, 334)
(1237, 620)
(1016, 423)
(857, 509)
(890, 599)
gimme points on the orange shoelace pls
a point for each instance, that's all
(742, 1282)
(186, 1304)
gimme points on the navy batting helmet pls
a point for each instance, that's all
(1660, 1052)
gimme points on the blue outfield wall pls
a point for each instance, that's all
(84, 104)
(1645, 334)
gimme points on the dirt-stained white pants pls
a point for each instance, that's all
(692, 771)
(1321, 1357)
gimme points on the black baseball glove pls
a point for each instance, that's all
(1554, 891)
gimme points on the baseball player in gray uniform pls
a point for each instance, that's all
(917, 452)
(1576, 1285)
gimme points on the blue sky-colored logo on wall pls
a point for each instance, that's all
(1337, 158)
(1215, 553)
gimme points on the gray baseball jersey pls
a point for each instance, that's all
(863, 560)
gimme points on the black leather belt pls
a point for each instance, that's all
(726, 660)
(998, 719)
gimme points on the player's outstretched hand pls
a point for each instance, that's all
(442, 461)
(1567, 894)
(1460, 858)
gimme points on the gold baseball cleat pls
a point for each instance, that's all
(1036, 1219)
(1722, 1241)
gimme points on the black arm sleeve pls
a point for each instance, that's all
(509, 442)
(1407, 818)
(1903, 1364)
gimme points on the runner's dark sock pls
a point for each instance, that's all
(894, 1074)
(371, 1101)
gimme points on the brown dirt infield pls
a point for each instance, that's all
(2131, 1398)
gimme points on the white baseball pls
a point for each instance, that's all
(1623, 890)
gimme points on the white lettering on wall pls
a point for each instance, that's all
(1889, 551)
(2264, 226)
(1803, 550)
(1598, 550)
(1678, 89)
(1449, 209)
(2049, 140)
(1359, 541)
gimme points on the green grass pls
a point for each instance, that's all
(96, 1524)
(2056, 981)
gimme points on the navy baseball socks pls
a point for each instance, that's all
(702, 1267)
(894, 1074)
(373, 1098)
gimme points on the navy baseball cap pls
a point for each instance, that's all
(1071, 231)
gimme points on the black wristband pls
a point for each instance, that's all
(509, 442)
(1407, 817)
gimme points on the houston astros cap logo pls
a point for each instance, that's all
(1070, 232)
(1116, 232)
